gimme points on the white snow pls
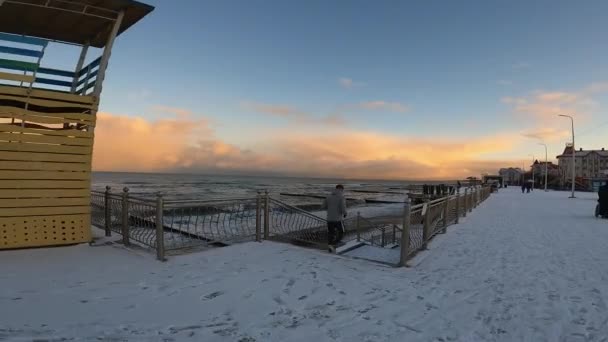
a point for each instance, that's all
(387, 255)
(521, 267)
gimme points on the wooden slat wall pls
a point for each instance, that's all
(44, 230)
(45, 173)
(15, 77)
(49, 95)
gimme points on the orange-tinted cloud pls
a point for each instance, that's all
(293, 114)
(125, 143)
(547, 134)
(539, 112)
(541, 108)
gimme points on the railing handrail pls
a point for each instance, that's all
(177, 203)
(294, 208)
(186, 225)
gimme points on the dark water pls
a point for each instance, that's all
(189, 186)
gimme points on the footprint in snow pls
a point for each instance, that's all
(212, 295)
(288, 286)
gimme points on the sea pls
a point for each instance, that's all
(306, 193)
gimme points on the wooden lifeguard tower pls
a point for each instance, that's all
(47, 115)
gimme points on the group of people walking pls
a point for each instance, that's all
(527, 187)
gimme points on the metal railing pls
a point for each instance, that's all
(373, 233)
(175, 225)
(420, 223)
(423, 222)
(288, 223)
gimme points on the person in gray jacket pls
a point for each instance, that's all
(335, 204)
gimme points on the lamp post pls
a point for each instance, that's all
(546, 164)
(573, 155)
(533, 181)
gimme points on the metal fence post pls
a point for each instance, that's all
(266, 215)
(107, 212)
(358, 226)
(125, 216)
(466, 199)
(160, 231)
(394, 234)
(383, 237)
(426, 225)
(258, 217)
(457, 206)
(405, 234)
(471, 200)
(445, 214)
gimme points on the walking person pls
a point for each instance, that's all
(335, 204)
(523, 187)
(602, 201)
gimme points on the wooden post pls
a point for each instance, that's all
(457, 206)
(125, 216)
(83, 55)
(105, 57)
(160, 231)
(258, 218)
(107, 212)
(405, 234)
(266, 215)
(382, 237)
(358, 226)
(445, 214)
(426, 225)
(466, 199)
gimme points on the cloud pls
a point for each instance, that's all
(348, 83)
(179, 112)
(139, 95)
(383, 106)
(521, 65)
(294, 115)
(279, 110)
(542, 107)
(547, 134)
(183, 143)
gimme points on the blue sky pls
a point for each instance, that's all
(450, 63)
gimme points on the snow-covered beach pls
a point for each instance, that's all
(522, 267)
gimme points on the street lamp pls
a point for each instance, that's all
(546, 166)
(573, 154)
(533, 181)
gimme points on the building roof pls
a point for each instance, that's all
(509, 169)
(542, 164)
(70, 21)
(582, 153)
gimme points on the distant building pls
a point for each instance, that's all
(591, 166)
(552, 169)
(511, 175)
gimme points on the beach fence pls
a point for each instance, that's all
(174, 226)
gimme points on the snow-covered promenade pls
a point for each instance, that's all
(521, 267)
